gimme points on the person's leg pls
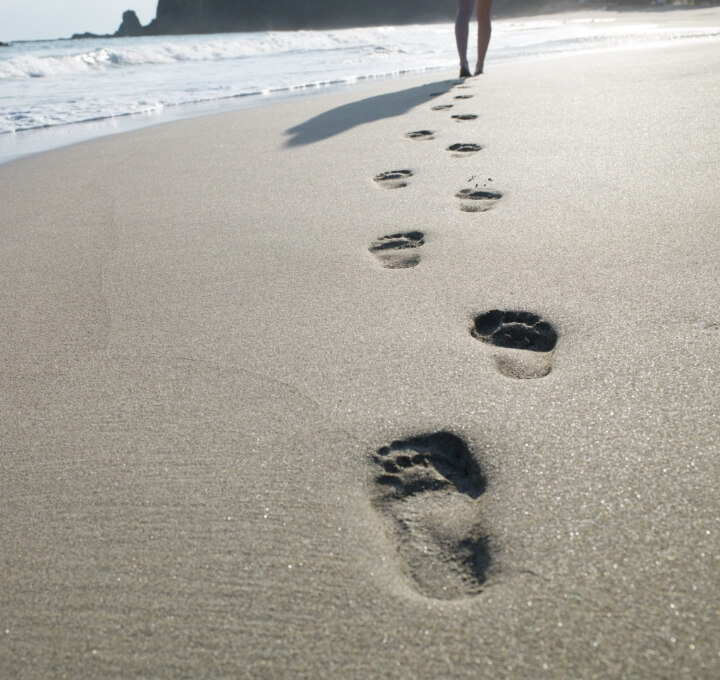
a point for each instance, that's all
(484, 8)
(462, 26)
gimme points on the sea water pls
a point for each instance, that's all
(61, 91)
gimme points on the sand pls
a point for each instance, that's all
(245, 434)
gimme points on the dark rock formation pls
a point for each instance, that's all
(87, 36)
(130, 26)
(210, 16)
(2, 44)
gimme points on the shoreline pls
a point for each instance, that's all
(22, 143)
(258, 422)
(18, 144)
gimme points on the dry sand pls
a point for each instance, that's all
(203, 366)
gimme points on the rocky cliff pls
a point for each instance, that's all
(130, 26)
(211, 16)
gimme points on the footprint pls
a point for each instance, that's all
(441, 107)
(463, 96)
(393, 179)
(421, 134)
(398, 251)
(513, 331)
(478, 200)
(464, 116)
(435, 94)
(428, 490)
(463, 149)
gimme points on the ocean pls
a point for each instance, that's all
(59, 92)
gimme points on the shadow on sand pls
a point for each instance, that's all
(348, 116)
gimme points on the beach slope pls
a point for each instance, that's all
(269, 412)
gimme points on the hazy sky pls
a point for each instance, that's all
(34, 19)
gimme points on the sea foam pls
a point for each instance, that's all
(52, 83)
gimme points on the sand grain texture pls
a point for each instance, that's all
(201, 359)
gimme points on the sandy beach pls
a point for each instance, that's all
(269, 413)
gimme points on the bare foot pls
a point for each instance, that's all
(464, 71)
